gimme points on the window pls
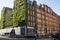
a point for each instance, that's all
(48, 10)
(45, 8)
(33, 12)
(39, 20)
(33, 24)
(33, 18)
(37, 6)
(28, 23)
(28, 11)
(39, 25)
(38, 15)
(51, 11)
(31, 7)
(46, 18)
(29, 18)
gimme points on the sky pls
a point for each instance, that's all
(54, 4)
(5, 3)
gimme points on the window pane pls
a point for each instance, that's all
(29, 18)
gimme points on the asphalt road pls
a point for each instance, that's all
(6, 38)
(24, 39)
(46, 39)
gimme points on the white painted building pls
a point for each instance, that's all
(19, 31)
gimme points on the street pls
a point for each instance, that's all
(45, 39)
(6, 38)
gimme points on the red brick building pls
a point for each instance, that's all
(40, 17)
(43, 19)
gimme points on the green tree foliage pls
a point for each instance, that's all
(19, 16)
(6, 18)
(0, 25)
(2, 16)
(19, 12)
(9, 21)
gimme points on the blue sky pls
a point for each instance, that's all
(5, 3)
(54, 4)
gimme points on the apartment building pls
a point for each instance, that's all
(59, 23)
(50, 20)
(40, 17)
